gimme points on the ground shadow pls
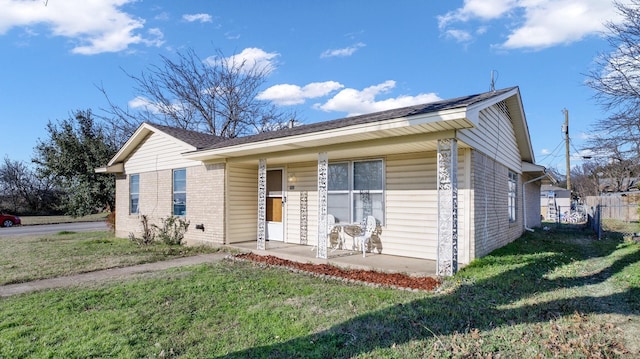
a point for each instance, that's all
(484, 305)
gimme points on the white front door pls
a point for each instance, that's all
(275, 205)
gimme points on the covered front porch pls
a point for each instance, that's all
(400, 174)
(344, 259)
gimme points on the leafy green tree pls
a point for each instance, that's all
(75, 147)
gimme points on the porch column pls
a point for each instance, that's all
(262, 203)
(447, 207)
(323, 177)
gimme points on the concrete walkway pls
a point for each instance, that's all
(102, 275)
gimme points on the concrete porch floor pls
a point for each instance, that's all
(343, 258)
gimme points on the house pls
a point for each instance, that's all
(554, 202)
(448, 181)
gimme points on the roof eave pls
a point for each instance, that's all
(116, 168)
(337, 135)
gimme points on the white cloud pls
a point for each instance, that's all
(532, 24)
(545, 151)
(140, 102)
(253, 56)
(561, 22)
(347, 51)
(459, 35)
(483, 9)
(197, 17)
(286, 94)
(95, 26)
(355, 102)
(143, 104)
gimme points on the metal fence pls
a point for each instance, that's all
(620, 221)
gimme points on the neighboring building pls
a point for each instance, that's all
(450, 180)
(555, 202)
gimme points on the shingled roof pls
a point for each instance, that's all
(196, 139)
(436, 106)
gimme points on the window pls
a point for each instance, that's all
(179, 192)
(134, 194)
(513, 192)
(356, 190)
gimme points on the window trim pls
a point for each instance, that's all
(512, 196)
(131, 193)
(351, 192)
(174, 192)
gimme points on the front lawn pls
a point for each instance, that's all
(545, 295)
(27, 258)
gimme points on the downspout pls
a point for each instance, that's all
(524, 200)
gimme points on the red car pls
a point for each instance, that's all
(8, 220)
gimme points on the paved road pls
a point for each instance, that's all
(52, 228)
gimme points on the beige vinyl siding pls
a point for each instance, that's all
(495, 137)
(412, 205)
(306, 181)
(242, 203)
(158, 152)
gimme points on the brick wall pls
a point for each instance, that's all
(492, 228)
(205, 203)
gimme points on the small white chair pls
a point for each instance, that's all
(368, 229)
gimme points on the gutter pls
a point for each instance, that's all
(524, 194)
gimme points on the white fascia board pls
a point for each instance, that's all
(297, 141)
(140, 133)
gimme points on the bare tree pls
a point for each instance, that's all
(616, 81)
(585, 179)
(610, 173)
(22, 191)
(216, 96)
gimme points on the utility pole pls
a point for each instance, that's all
(565, 130)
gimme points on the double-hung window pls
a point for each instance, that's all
(179, 192)
(356, 190)
(134, 194)
(513, 194)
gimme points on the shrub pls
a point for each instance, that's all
(148, 235)
(172, 230)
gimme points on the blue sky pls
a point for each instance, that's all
(328, 59)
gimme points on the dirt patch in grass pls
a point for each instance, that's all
(394, 280)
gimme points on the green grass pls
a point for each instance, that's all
(28, 258)
(545, 295)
